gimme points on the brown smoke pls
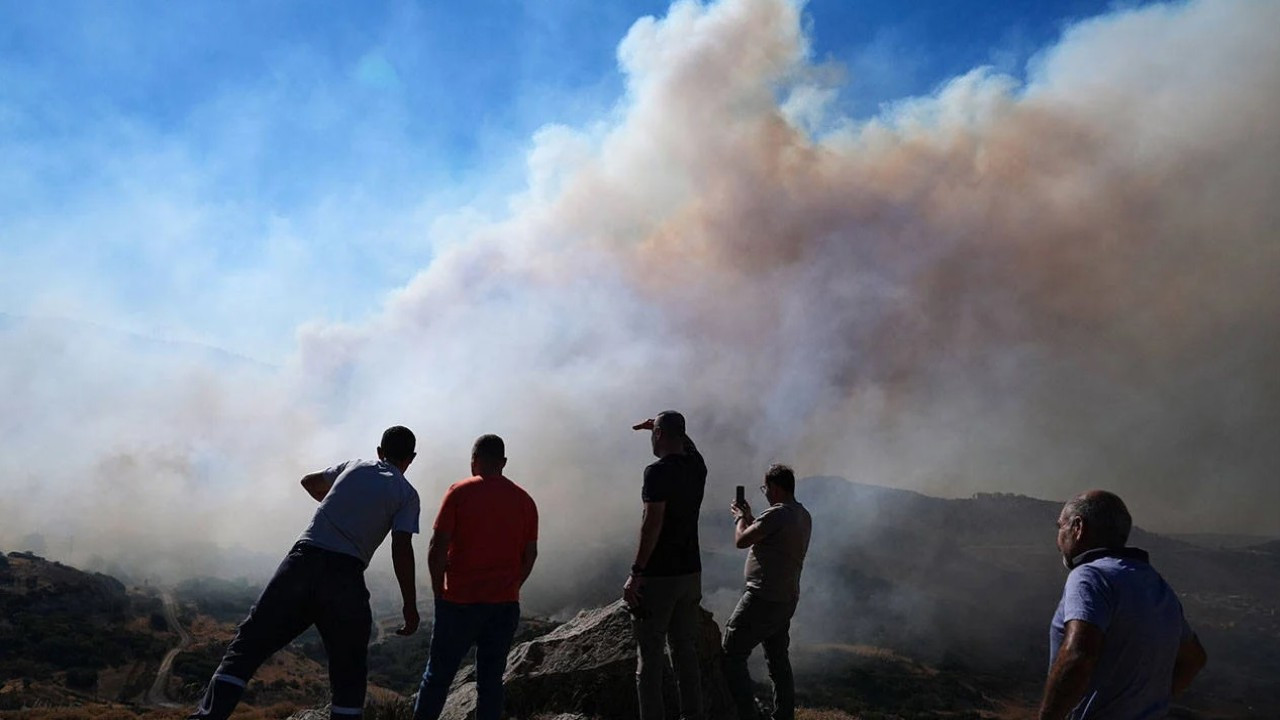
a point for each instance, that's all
(1031, 288)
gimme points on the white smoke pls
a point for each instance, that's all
(1034, 287)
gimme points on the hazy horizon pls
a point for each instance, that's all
(1045, 267)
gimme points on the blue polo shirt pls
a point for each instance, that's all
(1143, 626)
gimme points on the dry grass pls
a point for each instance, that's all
(823, 714)
(278, 711)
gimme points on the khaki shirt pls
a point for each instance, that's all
(775, 561)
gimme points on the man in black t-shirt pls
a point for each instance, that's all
(664, 589)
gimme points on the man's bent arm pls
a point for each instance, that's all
(527, 560)
(746, 534)
(438, 561)
(1072, 669)
(650, 529)
(317, 485)
(1191, 659)
(402, 562)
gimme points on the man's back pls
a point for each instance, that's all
(489, 522)
(369, 498)
(679, 481)
(1143, 624)
(776, 560)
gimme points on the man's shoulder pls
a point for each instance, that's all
(352, 464)
(780, 515)
(508, 486)
(519, 489)
(464, 486)
(372, 467)
(1093, 575)
(658, 470)
(476, 485)
(407, 488)
(679, 464)
(355, 467)
(785, 509)
(379, 468)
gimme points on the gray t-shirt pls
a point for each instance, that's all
(1142, 621)
(775, 561)
(369, 499)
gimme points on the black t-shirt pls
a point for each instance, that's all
(679, 481)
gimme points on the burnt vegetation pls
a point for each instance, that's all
(913, 607)
(58, 623)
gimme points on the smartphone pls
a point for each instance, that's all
(741, 495)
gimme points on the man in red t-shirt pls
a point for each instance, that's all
(482, 551)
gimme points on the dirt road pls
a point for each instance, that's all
(158, 694)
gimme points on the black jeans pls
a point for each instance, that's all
(311, 587)
(755, 622)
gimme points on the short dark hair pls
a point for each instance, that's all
(398, 443)
(1105, 516)
(489, 447)
(670, 421)
(781, 476)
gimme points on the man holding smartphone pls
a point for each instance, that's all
(778, 541)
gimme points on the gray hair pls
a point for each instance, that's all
(1104, 514)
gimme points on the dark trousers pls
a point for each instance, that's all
(311, 587)
(490, 627)
(669, 614)
(755, 622)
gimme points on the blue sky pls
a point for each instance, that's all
(223, 172)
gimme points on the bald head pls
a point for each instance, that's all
(1104, 516)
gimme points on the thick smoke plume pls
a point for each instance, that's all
(1030, 287)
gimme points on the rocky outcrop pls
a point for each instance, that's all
(586, 668)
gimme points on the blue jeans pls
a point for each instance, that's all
(490, 627)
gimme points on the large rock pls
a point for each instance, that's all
(586, 668)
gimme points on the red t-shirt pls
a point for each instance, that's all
(489, 522)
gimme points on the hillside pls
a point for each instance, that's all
(973, 582)
(68, 634)
(1272, 548)
(915, 606)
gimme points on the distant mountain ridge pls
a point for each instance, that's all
(977, 579)
(967, 584)
(148, 345)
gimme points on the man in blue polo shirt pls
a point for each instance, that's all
(321, 580)
(1119, 646)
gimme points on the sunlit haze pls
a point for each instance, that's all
(1031, 252)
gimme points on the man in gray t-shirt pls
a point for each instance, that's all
(1119, 646)
(778, 541)
(321, 580)
(366, 500)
